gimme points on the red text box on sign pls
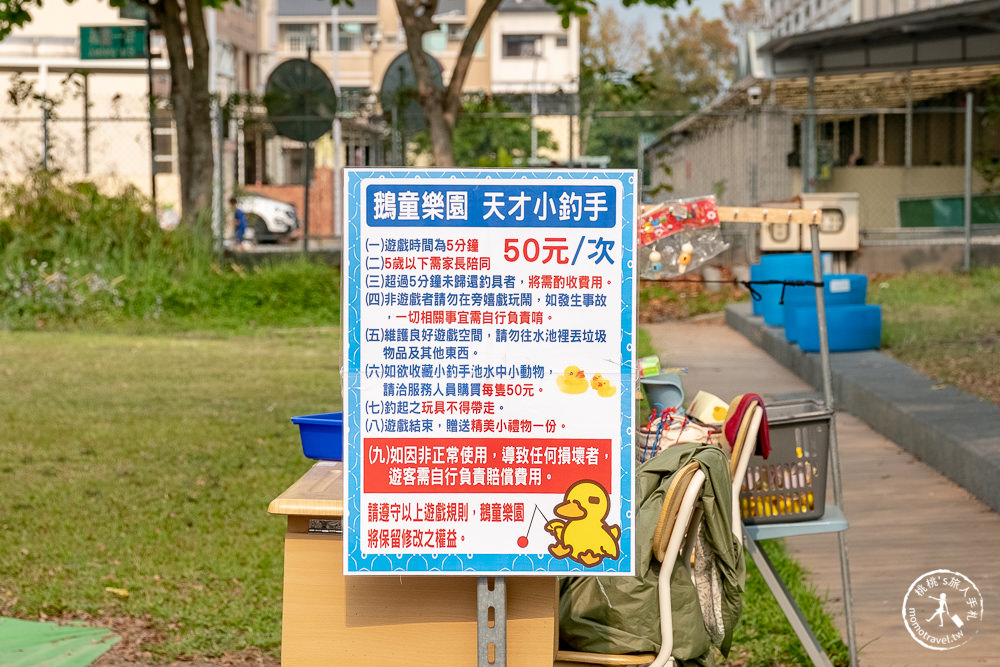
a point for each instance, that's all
(484, 465)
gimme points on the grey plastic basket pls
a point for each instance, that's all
(790, 485)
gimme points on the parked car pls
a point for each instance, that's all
(269, 219)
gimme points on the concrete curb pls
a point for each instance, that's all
(953, 432)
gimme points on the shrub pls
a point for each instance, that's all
(74, 256)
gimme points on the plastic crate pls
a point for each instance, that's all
(790, 485)
(322, 436)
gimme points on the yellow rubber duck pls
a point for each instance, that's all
(603, 386)
(572, 381)
(584, 536)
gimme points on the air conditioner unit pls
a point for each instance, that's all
(839, 228)
(780, 236)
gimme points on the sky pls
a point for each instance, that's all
(711, 9)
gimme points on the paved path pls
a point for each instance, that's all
(905, 518)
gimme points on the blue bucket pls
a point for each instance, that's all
(782, 266)
(839, 289)
(322, 436)
(663, 391)
(848, 328)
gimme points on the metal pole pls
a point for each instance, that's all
(809, 137)
(218, 212)
(824, 352)
(152, 106)
(494, 635)
(967, 264)
(570, 109)
(305, 224)
(337, 136)
(86, 123)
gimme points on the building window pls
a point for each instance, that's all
(456, 32)
(350, 37)
(522, 46)
(562, 41)
(297, 36)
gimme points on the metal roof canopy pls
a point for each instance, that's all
(882, 64)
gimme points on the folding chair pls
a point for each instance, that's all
(676, 527)
(743, 448)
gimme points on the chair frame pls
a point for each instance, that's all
(675, 533)
(739, 461)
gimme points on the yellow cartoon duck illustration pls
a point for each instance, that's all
(572, 381)
(603, 385)
(584, 536)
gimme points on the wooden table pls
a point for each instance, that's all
(330, 619)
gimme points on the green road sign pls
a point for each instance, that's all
(112, 41)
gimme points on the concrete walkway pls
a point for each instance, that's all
(905, 518)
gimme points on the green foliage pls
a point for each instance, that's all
(489, 141)
(73, 256)
(764, 636)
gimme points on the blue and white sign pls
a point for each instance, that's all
(489, 330)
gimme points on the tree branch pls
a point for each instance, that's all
(453, 96)
(414, 27)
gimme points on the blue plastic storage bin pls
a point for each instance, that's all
(849, 328)
(839, 289)
(782, 266)
(322, 436)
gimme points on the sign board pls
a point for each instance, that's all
(488, 371)
(112, 42)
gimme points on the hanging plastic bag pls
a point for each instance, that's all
(679, 236)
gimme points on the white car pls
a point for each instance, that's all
(269, 219)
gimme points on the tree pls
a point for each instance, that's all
(441, 105)
(189, 86)
(695, 61)
(679, 70)
(482, 140)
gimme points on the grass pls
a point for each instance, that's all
(146, 464)
(764, 636)
(72, 257)
(945, 326)
(684, 298)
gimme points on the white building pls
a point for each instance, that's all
(98, 127)
(789, 17)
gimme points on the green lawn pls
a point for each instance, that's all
(945, 326)
(146, 464)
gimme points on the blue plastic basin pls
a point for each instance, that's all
(849, 328)
(781, 266)
(663, 391)
(839, 289)
(322, 436)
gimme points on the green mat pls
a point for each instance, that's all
(31, 644)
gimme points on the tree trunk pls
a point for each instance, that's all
(440, 107)
(191, 103)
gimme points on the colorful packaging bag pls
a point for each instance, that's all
(679, 236)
